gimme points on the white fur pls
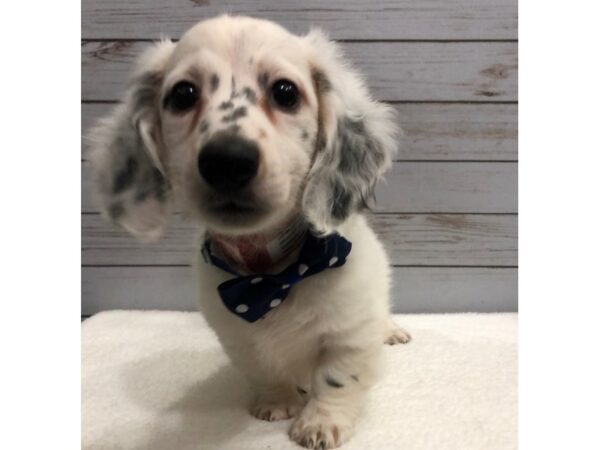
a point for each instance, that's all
(331, 325)
(314, 356)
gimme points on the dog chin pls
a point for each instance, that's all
(236, 218)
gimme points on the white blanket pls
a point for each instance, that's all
(159, 381)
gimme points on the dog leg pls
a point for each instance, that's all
(275, 402)
(394, 334)
(339, 387)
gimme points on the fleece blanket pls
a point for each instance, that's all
(160, 381)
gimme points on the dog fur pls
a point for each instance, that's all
(313, 357)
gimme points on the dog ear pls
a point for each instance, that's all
(356, 140)
(130, 182)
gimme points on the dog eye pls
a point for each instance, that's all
(183, 96)
(285, 94)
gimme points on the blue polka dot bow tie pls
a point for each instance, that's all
(251, 297)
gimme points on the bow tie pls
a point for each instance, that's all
(251, 297)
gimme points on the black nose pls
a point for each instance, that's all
(228, 162)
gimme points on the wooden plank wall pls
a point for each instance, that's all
(448, 212)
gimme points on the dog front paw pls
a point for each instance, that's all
(397, 336)
(319, 431)
(275, 411)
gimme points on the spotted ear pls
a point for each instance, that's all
(356, 140)
(131, 185)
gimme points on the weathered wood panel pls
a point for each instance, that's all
(483, 132)
(442, 187)
(396, 71)
(410, 240)
(449, 187)
(416, 289)
(343, 19)
(454, 289)
(444, 239)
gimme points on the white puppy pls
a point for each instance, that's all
(265, 140)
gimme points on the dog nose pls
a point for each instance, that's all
(228, 162)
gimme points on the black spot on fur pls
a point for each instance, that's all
(125, 176)
(250, 94)
(232, 85)
(304, 135)
(236, 114)
(115, 211)
(301, 391)
(152, 183)
(355, 146)
(356, 126)
(204, 126)
(354, 377)
(341, 202)
(333, 382)
(321, 81)
(214, 82)
(226, 105)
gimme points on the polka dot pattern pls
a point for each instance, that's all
(302, 268)
(241, 308)
(251, 297)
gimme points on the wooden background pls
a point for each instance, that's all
(448, 213)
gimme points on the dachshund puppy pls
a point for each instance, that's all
(271, 144)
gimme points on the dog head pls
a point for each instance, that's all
(241, 124)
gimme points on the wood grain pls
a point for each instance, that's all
(409, 239)
(442, 187)
(483, 132)
(396, 71)
(449, 187)
(416, 289)
(480, 132)
(343, 19)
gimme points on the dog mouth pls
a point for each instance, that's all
(233, 207)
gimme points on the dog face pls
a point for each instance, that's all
(241, 124)
(238, 113)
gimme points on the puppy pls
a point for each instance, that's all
(272, 145)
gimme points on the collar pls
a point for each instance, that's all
(252, 296)
(252, 253)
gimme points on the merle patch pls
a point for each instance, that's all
(236, 114)
(214, 82)
(250, 94)
(226, 105)
(125, 176)
(333, 382)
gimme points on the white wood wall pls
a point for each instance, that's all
(448, 213)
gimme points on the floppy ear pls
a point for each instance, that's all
(356, 140)
(130, 183)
